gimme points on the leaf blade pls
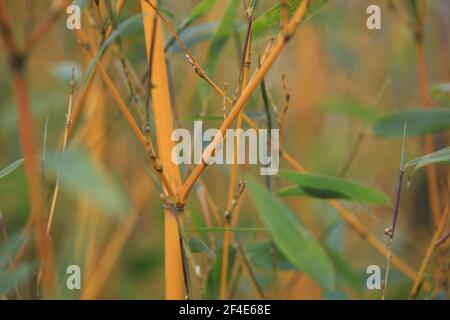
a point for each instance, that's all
(326, 187)
(420, 122)
(268, 24)
(294, 241)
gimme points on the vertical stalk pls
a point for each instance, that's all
(230, 221)
(17, 62)
(425, 103)
(160, 97)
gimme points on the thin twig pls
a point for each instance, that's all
(418, 282)
(245, 96)
(63, 149)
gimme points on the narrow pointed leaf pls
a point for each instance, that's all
(294, 241)
(325, 187)
(419, 121)
(200, 9)
(439, 157)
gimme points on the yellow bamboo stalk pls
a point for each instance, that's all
(164, 126)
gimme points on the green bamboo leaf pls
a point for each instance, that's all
(325, 187)
(9, 169)
(344, 270)
(420, 122)
(79, 175)
(413, 9)
(128, 27)
(200, 9)
(198, 245)
(295, 242)
(218, 42)
(439, 157)
(268, 24)
(263, 255)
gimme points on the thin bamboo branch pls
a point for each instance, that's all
(245, 96)
(146, 143)
(228, 222)
(63, 149)
(419, 279)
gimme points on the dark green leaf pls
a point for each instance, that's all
(264, 255)
(295, 242)
(325, 187)
(419, 122)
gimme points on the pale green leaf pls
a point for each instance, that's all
(81, 176)
(9, 169)
(198, 245)
(200, 9)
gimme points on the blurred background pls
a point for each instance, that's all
(341, 76)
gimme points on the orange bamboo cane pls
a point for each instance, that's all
(164, 126)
